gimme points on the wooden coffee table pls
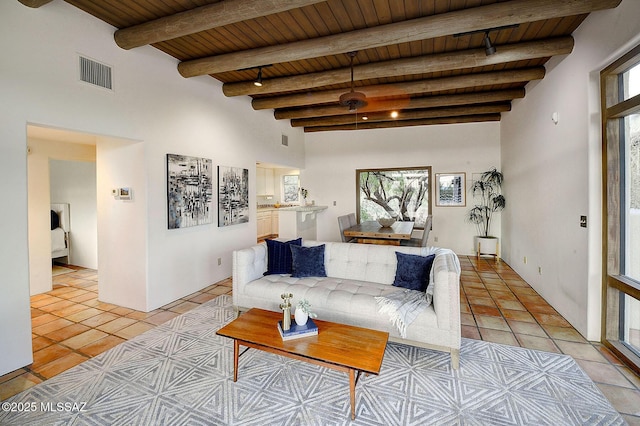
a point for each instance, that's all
(354, 350)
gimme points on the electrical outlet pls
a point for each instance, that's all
(539, 270)
(219, 261)
(334, 203)
(524, 260)
(435, 239)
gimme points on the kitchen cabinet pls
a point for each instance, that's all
(265, 184)
(268, 223)
(275, 221)
(264, 224)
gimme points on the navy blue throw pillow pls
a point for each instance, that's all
(279, 256)
(308, 261)
(413, 271)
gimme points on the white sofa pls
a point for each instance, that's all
(356, 273)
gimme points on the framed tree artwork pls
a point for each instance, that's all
(401, 193)
(189, 191)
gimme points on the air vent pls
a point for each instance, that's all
(95, 73)
(285, 140)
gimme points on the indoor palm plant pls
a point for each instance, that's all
(487, 191)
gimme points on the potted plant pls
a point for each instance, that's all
(303, 312)
(487, 190)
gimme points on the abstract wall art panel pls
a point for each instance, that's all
(189, 191)
(233, 195)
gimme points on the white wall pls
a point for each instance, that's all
(333, 157)
(39, 200)
(152, 111)
(74, 182)
(552, 172)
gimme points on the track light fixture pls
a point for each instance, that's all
(489, 48)
(258, 81)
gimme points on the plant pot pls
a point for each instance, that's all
(300, 316)
(487, 246)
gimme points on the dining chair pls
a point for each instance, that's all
(344, 223)
(422, 241)
(352, 219)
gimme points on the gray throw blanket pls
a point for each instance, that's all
(404, 306)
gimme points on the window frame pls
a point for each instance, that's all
(616, 285)
(429, 192)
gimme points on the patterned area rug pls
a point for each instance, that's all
(182, 373)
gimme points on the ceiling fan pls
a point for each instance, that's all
(353, 100)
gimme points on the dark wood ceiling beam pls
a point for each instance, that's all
(404, 89)
(461, 21)
(404, 104)
(409, 66)
(404, 115)
(34, 3)
(201, 19)
(406, 123)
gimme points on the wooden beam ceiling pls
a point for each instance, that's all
(405, 115)
(407, 123)
(404, 89)
(408, 66)
(404, 104)
(474, 19)
(423, 58)
(200, 19)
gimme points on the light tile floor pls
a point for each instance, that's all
(70, 325)
(498, 306)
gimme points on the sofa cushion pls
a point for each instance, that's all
(413, 271)
(279, 259)
(334, 299)
(308, 261)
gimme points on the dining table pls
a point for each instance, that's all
(371, 232)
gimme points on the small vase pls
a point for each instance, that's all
(301, 316)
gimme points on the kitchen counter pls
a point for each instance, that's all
(299, 221)
(268, 208)
(304, 208)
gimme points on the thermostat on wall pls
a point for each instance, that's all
(122, 193)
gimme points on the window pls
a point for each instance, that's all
(291, 186)
(402, 193)
(620, 83)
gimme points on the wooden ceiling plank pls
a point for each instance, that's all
(405, 104)
(362, 125)
(498, 14)
(309, 29)
(407, 66)
(369, 13)
(111, 12)
(200, 19)
(383, 11)
(403, 89)
(316, 19)
(353, 14)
